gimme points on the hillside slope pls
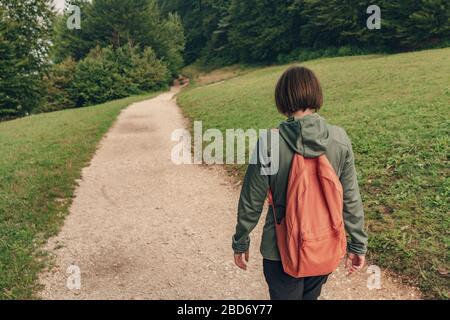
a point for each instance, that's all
(396, 110)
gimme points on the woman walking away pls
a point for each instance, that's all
(313, 195)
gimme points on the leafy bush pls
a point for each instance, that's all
(93, 80)
(107, 74)
(57, 84)
(149, 72)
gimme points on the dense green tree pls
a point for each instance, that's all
(416, 23)
(25, 32)
(333, 23)
(74, 43)
(261, 29)
(201, 20)
(57, 83)
(119, 22)
(407, 24)
(148, 72)
(191, 13)
(216, 28)
(171, 43)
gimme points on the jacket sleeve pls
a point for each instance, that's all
(251, 204)
(353, 207)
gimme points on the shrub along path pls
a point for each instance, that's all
(141, 227)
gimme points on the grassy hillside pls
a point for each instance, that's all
(396, 110)
(40, 158)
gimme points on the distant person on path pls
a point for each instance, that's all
(314, 197)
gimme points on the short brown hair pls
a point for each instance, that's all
(298, 89)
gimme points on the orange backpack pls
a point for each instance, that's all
(311, 237)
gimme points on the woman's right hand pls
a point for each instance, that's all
(239, 259)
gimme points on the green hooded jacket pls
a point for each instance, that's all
(310, 136)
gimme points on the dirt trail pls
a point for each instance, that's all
(141, 227)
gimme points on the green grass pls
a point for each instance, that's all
(41, 157)
(396, 110)
(200, 76)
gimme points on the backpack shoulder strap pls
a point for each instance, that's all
(332, 190)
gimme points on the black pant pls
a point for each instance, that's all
(284, 287)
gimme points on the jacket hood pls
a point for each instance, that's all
(308, 136)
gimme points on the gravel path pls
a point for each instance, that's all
(141, 227)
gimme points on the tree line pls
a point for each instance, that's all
(126, 47)
(253, 31)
